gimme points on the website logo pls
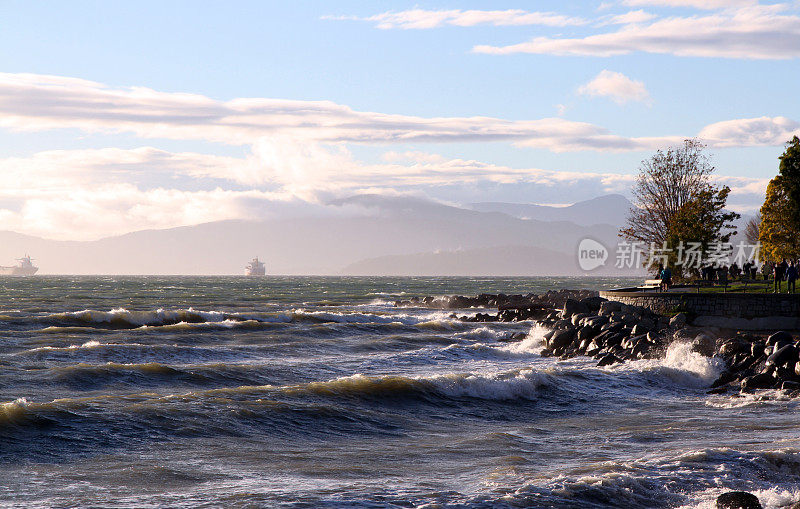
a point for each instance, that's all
(591, 254)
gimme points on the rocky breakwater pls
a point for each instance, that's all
(754, 362)
(510, 308)
(580, 322)
(609, 331)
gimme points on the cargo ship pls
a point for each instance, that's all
(255, 268)
(23, 268)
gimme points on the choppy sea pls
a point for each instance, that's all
(318, 392)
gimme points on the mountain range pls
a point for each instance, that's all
(608, 209)
(379, 235)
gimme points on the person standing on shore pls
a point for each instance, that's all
(791, 277)
(666, 278)
(779, 273)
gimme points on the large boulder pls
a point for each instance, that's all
(738, 500)
(757, 349)
(562, 324)
(783, 356)
(646, 325)
(615, 339)
(597, 320)
(705, 345)
(678, 320)
(609, 306)
(574, 307)
(732, 346)
(608, 359)
(758, 381)
(578, 318)
(561, 338)
(778, 337)
(612, 326)
(588, 332)
(593, 303)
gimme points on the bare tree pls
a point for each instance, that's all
(667, 181)
(751, 229)
(675, 202)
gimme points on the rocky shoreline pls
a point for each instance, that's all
(580, 322)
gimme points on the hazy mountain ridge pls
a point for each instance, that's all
(490, 261)
(608, 209)
(392, 235)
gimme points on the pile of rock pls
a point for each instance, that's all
(756, 363)
(484, 300)
(591, 325)
(582, 323)
(501, 301)
(608, 331)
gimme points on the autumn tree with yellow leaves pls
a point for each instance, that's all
(779, 231)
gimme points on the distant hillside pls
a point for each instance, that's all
(610, 209)
(376, 227)
(494, 261)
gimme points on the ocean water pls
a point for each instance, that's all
(317, 392)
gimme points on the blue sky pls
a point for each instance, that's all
(158, 114)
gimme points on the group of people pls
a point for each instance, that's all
(788, 271)
(784, 271)
(724, 272)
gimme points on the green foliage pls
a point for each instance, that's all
(704, 220)
(675, 202)
(779, 231)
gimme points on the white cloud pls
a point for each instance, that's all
(419, 19)
(616, 86)
(745, 186)
(412, 155)
(84, 213)
(753, 32)
(630, 18)
(37, 102)
(695, 4)
(88, 194)
(56, 168)
(750, 132)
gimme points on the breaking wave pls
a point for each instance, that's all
(691, 479)
(518, 384)
(88, 320)
(680, 365)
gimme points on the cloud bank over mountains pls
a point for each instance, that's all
(297, 152)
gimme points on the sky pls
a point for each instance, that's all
(123, 116)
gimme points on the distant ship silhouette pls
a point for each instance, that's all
(255, 268)
(23, 268)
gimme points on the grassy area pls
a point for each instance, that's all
(739, 287)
